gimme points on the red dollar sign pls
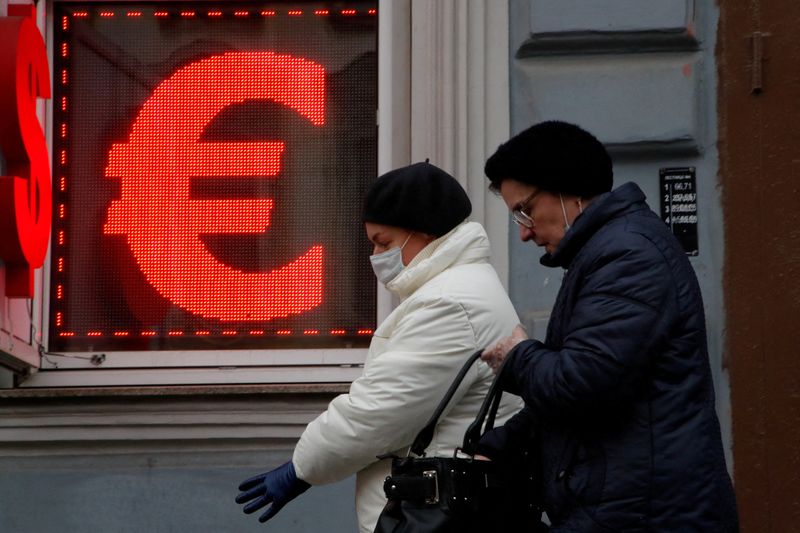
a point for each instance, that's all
(25, 196)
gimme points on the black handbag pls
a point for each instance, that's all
(459, 493)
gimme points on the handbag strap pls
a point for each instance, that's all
(425, 435)
(487, 412)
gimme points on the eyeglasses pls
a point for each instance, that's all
(518, 214)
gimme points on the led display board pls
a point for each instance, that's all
(210, 161)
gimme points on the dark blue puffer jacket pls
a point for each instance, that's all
(621, 388)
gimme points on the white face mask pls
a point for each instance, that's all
(387, 265)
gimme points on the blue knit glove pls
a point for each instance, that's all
(278, 487)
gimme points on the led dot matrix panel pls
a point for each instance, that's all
(210, 161)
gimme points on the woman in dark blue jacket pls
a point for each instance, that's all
(620, 391)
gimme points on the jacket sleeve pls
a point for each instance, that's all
(511, 439)
(397, 393)
(622, 313)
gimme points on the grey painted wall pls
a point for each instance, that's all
(156, 492)
(640, 75)
(155, 460)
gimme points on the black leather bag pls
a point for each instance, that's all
(459, 493)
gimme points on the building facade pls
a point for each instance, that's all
(101, 431)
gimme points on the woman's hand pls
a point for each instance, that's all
(277, 487)
(495, 355)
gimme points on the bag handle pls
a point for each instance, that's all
(425, 435)
(488, 412)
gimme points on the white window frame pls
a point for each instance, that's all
(443, 98)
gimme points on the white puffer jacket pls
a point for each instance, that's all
(452, 305)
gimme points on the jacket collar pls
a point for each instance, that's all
(623, 200)
(466, 243)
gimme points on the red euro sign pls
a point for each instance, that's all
(25, 196)
(163, 224)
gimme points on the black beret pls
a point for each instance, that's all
(420, 197)
(554, 156)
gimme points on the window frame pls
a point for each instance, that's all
(183, 367)
(412, 83)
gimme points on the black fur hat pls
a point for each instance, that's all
(420, 197)
(555, 156)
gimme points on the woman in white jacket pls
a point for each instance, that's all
(452, 304)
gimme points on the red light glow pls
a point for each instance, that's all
(321, 12)
(157, 215)
(134, 13)
(268, 13)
